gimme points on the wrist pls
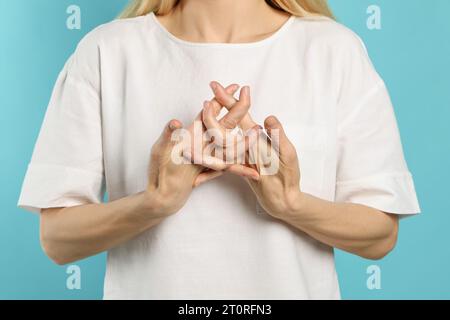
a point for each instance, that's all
(152, 204)
(294, 206)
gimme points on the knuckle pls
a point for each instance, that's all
(155, 150)
(291, 155)
(229, 122)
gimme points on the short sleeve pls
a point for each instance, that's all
(66, 168)
(371, 167)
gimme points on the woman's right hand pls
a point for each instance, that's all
(73, 233)
(170, 184)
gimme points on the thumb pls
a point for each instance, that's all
(160, 150)
(279, 140)
(169, 129)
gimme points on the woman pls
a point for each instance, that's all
(188, 230)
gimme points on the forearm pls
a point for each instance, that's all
(74, 233)
(355, 228)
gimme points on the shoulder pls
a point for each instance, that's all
(108, 39)
(326, 33)
(115, 32)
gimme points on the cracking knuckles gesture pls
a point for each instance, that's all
(273, 156)
(233, 144)
(267, 161)
(207, 150)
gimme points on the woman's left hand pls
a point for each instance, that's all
(274, 157)
(278, 189)
(359, 229)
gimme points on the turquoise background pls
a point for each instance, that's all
(411, 52)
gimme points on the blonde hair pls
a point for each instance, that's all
(301, 8)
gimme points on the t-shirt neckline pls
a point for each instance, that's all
(258, 43)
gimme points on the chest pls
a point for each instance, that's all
(148, 95)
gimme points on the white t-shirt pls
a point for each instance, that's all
(128, 78)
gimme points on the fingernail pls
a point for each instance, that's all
(213, 85)
(251, 176)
